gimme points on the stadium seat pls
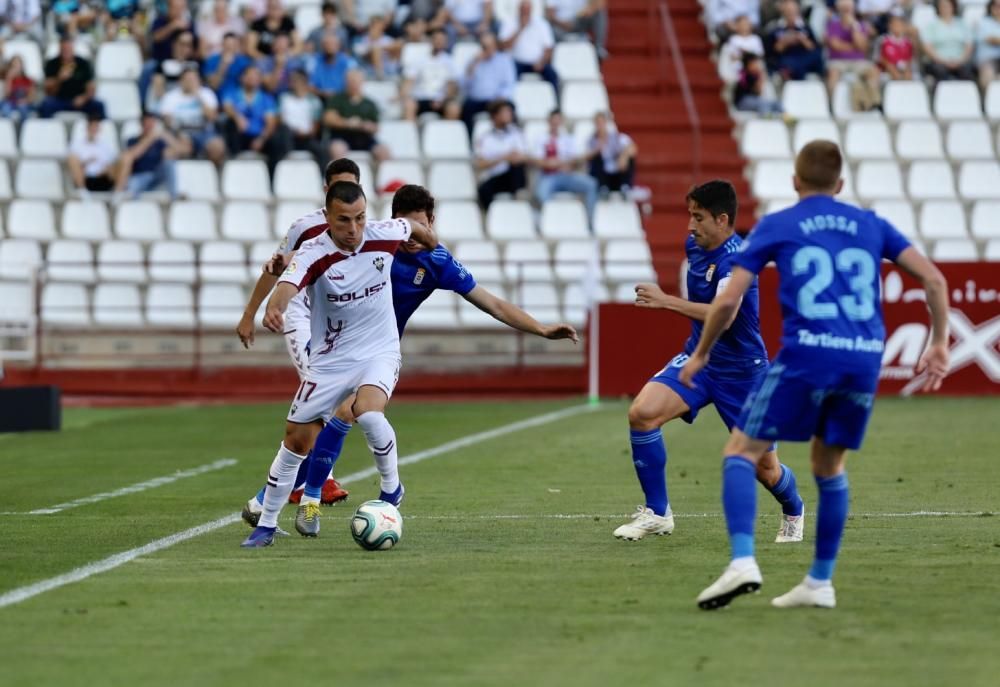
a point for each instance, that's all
(65, 305)
(191, 220)
(121, 261)
(170, 305)
(17, 303)
(117, 305)
(868, 140)
(452, 181)
(576, 301)
(919, 140)
(222, 261)
(942, 219)
(535, 131)
(220, 306)
(244, 220)
(564, 219)
(260, 252)
(577, 260)
(41, 179)
(955, 250)
(957, 100)
(923, 16)
(439, 311)
(172, 261)
(979, 181)
(247, 180)
(986, 219)
(992, 101)
(772, 179)
(414, 54)
(129, 129)
(446, 140)
(481, 258)
(992, 251)
(481, 126)
(296, 180)
(906, 100)
(541, 300)
(930, 180)
(385, 94)
(31, 56)
(576, 61)
(507, 220)
(71, 261)
(528, 260)
(584, 99)
(614, 219)
(85, 219)
(6, 192)
(842, 108)
(458, 221)
(307, 18)
(877, 179)
(765, 139)
(899, 213)
(198, 180)
(289, 211)
(120, 98)
(628, 261)
(19, 258)
(401, 171)
(969, 141)
(401, 138)
(119, 60)
(533, 99)
(779, 205)
(624, 293)
(805, 100)
(814, 130)
(107, 133)
(43, 138)
(31, 219)
(139, 220)
(463, 53)
(8, 139)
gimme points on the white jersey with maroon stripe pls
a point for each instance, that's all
(350, 294)
(305, 228)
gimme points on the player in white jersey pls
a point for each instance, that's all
(355, 342)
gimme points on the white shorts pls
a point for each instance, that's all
(322, 391)
(297, 333)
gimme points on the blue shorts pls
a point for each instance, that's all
(800, 399)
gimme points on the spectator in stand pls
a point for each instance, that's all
(467, 18)
(988, 44)
(253, 121)
(72, 16)
(169, 71)
(588, 17)
(21, 18)
(167, 27)
(791, 47)
(612, 156)
(352, 120)
(722, 15)
(378, 52)
(212, 30)
(329, 70)
(489, 77)
(749, 92)
(947, 43)
(222, 70)
(92, 161)
(431, 12)
(263, 31)
(149, 160)
(433, 82)
(877, 13)
(19, 92)
(331, 24)
(276, 69)
(848, 43)
(743, 42)
(500, 155)
(415, 31)
(122, 18)
(301, 112)
(358, 14)
(530, 42)
(190, 111)
(559, 162)
(69, 83)
(895, 51)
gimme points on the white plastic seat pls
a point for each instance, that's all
(628, 261)
(614, 219)
(877, 179)
(510, 219)
(942, 219)
(401, 138)
(576, 61)
(955, 250)
(584, 99)
(191, 220)
(577, 300)
(986, 219)
(919, 140)
(481, 126)
(31, 219)
(452, 181)
(367, 180)
(17, 303)
(458, 221)
(129, 129)
(930, 180)
(71, 261)
(198, 180)
(19, 258)
(899, 213)
(528, 260)
(139, 220)
(289, 211)
(805, 100)
(260, 252)
(170, 305)
(992, 251)
(6, 192)
(295, 180)
(120, 98)
(624, 293)
(43, 138)
(534, 99)
(220, 306)
(564, 219)
(246, 180)
(814, 130)
(462, 54)
(439, 311)
(405, 171)
(772, 179)
(535, 131)
(385, 94)
(979, 181)
(540, 300)
(39, 179)
(923, 16)
(118, 60)
(778, 205)
(969, 141)
(31, 56)
(576, 260)
(765, 139)
(65, 305)
(481, 258)
(8, 139)
(117, 305)
(957, 100)
(446, 140)
(415, 54)
(244, 220)
(86, 219)
(222, 261)
(906, 100)
(121, 261)
(172, 261)
(307, 18)
(991, 102)
(868, 140)
(842, 109)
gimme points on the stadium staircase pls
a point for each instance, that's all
(647, 98)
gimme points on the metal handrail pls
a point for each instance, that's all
(670, 34)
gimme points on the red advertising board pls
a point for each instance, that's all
(635, 343)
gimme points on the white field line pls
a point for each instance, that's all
(20, 594)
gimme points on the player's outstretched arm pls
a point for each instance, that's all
(265, 282)
(514, 317)
(648, 295)
(934, 362)
(274, 317)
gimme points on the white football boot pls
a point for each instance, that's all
(736, 579)
(644, 522)
(805, 595)
(791, 528)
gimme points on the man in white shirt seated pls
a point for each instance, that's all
(92, 162)
(500, 155)
(191, 111)
(559, 161)
(429, 85)
(530, 42)
(580, 16)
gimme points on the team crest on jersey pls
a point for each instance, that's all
(710, 272)
(284, 244)
(418, 279)
(291, 268)
(379, 263)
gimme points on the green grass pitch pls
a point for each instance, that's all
(507, 573)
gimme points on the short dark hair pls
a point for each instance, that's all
(555, 112)
(345, 191)
(328, 7)
(717, 196)
(342, 166)
(818, 165)
(412, 198)
(497, 105)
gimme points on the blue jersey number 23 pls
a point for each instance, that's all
(858, 306)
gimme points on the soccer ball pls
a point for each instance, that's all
(376, 525)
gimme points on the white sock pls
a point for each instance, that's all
(280, 480)
(813, 583)
(382, 442)
(743, 562)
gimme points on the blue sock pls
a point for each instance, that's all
(324, 454)
(260, 496)
(649, 455)
(786, 492)
(831, 514)
(739, 501)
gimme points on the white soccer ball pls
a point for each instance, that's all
(376, 525)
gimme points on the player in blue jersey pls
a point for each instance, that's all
(739, 364)
(821, 386)
(416, 274)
